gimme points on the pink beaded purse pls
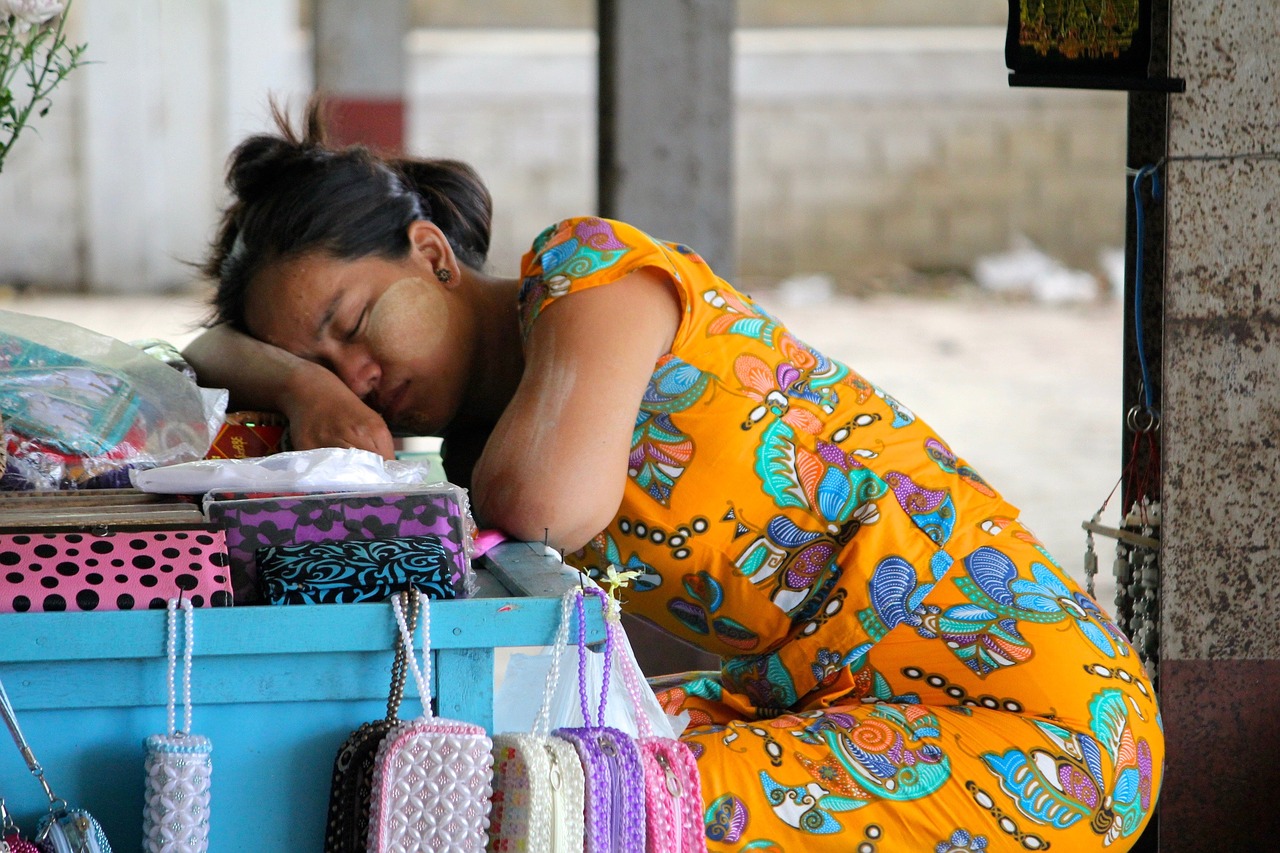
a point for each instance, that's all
(538, 785)
(615, 797)
(432, 776)
(672, 788)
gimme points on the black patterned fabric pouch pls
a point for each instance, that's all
(354, 570)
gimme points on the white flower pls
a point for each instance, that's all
(31, 13)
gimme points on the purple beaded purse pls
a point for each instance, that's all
(615, 797)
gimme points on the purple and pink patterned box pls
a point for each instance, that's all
(258, 521)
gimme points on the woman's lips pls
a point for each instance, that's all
(391, 404)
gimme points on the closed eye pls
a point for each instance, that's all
(355, 330)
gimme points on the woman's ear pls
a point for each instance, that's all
(429, 246)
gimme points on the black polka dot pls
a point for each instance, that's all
(171, 553)
(93, 578)
(10, 558)
(160, 537)
(138, 544)
(21, 539)
(220, 599)
(45, 551)
(73, 552)
(204, 539)
(101, 547)
(124, 601)
(21, 604)
(122, 578)
(219, 558)
(49, 582)
(197, 601)
(142, 561)
(117, 562)
(187, 582)
(74, 538)
(91, 562)
(54, 603)
(67, 569)
(86, 599)
(166, 567)
(196, 552)
(158, 604)
(14, 577)
(148, 581)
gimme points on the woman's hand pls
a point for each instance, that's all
(323, 412)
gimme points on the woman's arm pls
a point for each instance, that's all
(557, 458)
(322, 411)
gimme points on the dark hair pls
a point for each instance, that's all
(295, 194)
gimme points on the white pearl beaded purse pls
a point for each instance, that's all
(432, 776)
(175, 817)
(538, 784)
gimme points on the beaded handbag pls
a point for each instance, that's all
(347, 829)
(64, 829)
(672, 788)
(615, 799)
(11, 836)
(431, 777)
(538, 785)
(175, 815)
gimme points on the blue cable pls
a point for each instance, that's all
(1152, 171)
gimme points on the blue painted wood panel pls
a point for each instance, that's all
(276, 689)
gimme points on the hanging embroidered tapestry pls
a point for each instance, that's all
(1064, 39)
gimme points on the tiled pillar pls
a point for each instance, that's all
(1220, 672)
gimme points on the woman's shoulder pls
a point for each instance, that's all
(582, 245)
(584, 252)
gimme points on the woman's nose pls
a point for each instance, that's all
(359, 371)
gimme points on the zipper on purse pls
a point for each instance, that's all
(557, 804)
(674, 788)
(617, 795)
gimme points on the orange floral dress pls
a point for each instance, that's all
(904, 666)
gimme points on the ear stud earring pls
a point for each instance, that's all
(444, 275)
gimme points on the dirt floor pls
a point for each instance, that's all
(1028, 393)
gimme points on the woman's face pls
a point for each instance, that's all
(388, 328)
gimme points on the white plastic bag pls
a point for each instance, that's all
(323, 469)
(514, 706)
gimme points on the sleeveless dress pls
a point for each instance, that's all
(904, 666)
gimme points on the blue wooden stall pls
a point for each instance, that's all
(276, 689)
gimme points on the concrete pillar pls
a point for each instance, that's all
(666, 121)
(360, 65)
(1220, 644)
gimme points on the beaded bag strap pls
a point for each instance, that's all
(399, 668)
(171, 651)
(542, 724)
(582, 655)
(630, 677)
(421, 675)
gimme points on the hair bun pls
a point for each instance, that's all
(257, 164)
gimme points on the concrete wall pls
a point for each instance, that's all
(856, 149)
(1221, 432)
